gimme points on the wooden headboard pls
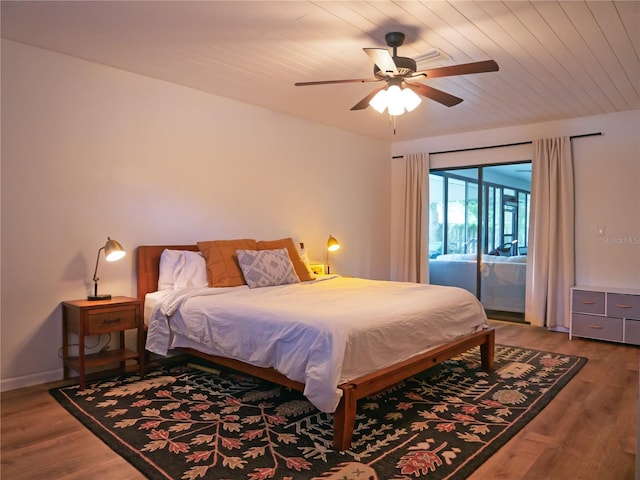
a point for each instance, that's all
(148, 265)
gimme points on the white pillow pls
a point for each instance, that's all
(168, 263)
(182, 269)
(266, 268)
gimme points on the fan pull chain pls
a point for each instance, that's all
(392, 122)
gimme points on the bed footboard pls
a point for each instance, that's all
(345, 415)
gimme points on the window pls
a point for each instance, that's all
(454, 215)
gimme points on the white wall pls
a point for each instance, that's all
(607, 187)
(90, 151)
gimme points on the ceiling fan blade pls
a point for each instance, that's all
(434, 94)
(364, 103)
(327, 82)
(462, 69)
(382, 58)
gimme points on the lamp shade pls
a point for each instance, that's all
(332, 244)
(395, 102)
(112, 251)
(410, 99)
(379, 101)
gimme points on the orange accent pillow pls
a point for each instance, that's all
(223, 269)
(298, 264)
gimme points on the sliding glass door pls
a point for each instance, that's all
(478, 229)
(453, 228)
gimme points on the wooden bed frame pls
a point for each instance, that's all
(345, 415)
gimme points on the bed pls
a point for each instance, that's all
(351, 390)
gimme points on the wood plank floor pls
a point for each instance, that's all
(587, 432)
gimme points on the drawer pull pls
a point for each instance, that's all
(111, 320)
(622, 305)
(588, 302)
(596, 327)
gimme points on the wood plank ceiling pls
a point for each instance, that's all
(558, 59)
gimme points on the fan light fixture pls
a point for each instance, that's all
(112, 251)
(396, 99)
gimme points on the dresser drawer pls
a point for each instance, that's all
(585, 301)
(622, 305)
(632, 332)
(592, 326)
(110, 320)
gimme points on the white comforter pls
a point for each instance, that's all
(320, 333)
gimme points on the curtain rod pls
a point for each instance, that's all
(594, 134)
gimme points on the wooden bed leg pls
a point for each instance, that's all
(344, 419)
(487, 350)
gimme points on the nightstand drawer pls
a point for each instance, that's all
(585, 301)
(111, 320)
(591, 326)
(622, 305)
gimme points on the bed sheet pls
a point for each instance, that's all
(320, 333)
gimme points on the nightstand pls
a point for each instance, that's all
(85, 317)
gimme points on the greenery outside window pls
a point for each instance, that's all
(453, 215)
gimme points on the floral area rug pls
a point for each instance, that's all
(181, 422)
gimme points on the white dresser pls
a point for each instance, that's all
(611, 314)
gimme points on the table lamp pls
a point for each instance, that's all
(332, 246)
(112, 251)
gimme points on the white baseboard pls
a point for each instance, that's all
(14, 383)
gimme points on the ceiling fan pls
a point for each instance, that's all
(401, 72)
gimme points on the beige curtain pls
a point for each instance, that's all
(414, 217)
(550, 259)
